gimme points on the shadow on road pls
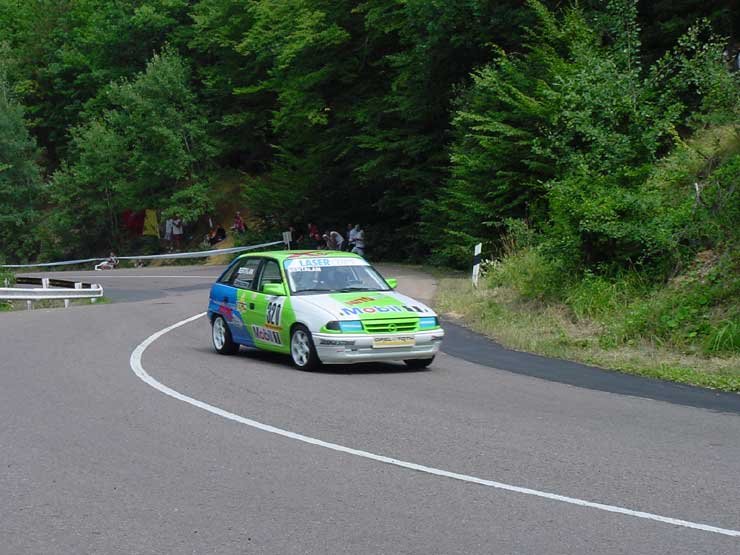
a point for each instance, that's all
(283, 362)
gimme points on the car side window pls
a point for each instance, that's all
(228, 276)
(244, 275)
(270, 274)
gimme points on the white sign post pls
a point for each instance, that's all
(287, 238)
(476, 264)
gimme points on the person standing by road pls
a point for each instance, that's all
(350, 243)
(177, 231)
(168, 234)
(313, 236)
(337, 240)
(359, 247)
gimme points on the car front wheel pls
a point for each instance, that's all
(302, 349)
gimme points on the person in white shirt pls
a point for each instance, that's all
(168, 233)
(177, 231)
(336, 240)
(109, 263)
(351, 232)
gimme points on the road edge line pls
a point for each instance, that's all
(138, 369)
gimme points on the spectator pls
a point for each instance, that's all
(238, 226)
(335, 239)
(168, 233)
(109, 263)
(177, 231)
(220, 233)
(351, 234)
(313, 236)
(215, 235)
(327, 242)
(297, 238)
(359, 247)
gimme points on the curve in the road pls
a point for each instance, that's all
(138, 369)
(460, 342)
(463, 343)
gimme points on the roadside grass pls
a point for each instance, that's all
(683, 326)
(555, 329)
(50, 303)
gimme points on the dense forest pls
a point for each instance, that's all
(601, 134)
(436, 123)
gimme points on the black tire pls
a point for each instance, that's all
(418, 363)
(221, 337)
(302, 350)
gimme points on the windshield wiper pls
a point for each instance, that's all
(348, 289)
(314, 290)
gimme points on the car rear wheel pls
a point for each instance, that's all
(302, 349)
(221, 336)
(418, 363)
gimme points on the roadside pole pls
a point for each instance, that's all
(476, 264)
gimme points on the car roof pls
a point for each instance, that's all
(283, 255)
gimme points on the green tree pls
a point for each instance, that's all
(567, 135)
(68, 50)
(148, 149)
(20, 179)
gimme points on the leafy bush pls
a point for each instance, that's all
(148, 149)
(601, 298)
(568, 135)
(7, 279)
(528, 272)
(697, 311)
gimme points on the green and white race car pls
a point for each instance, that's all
(319, 307)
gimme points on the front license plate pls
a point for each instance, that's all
(388, 342)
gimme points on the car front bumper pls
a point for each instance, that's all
(348, 348)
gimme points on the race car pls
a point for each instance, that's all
(320, 307)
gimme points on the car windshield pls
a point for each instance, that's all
(332, 275)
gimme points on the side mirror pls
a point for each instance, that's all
(393, 282)
(274, 289)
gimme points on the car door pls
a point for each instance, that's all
(233, 292)
(267, 321)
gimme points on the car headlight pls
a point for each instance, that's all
(428, 322)
(347, 326)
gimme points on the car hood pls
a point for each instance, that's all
(370, 305)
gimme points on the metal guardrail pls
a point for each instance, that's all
(52, 282)
(177, 255)
(51, 289)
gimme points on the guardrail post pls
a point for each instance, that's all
(45, 283)
(66, 303)
(29, 304)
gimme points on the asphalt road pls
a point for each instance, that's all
(95, 460)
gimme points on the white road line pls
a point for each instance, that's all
(107, 276)
(138, 369)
